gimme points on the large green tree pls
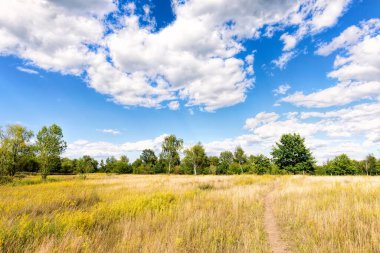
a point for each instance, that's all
(50, 145)
(170, 148)
(14, 145)
(195, 157)
(292, 155)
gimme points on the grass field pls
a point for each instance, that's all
(137, 213)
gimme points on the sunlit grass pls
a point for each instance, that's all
(160, 213)
(330, 214)
(134, 214)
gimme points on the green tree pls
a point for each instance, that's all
(148, 157)
(68, 166)
(213, 162)
(14, 144)
(370, 164)
(226, 158)
(122, 166)
(50, 145)
(170, 148)
(86, 164)
(110, 164)
(195, 157)
(240, 157)
(340, 165)
(261, 164)
(292, 155)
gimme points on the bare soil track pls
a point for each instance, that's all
(277, 244)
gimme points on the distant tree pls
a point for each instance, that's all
(137, 166)
(292, 155)
(50, 145)
(110, 164)
(170, 148)
(159, 167)
(370, 164)
(86, 164)
(14, 144)
(261, 164)
(240, 157)
(68, 166)
(226, 158)
(195, 157)
(102, 166)
(148, 157)
(340, 165)
(213, 162)
(122, 166)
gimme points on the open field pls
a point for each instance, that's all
(160, 213)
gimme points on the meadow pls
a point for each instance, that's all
(161, 213)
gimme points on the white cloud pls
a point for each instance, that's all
(284, 59)
(101, 150)
(110, 131)
(260, 119)
(193, 59)
(358, 71)
(290, 41)
(281, 90)
(27, 70)
(312, 17)
(173, 105)
(52, 34)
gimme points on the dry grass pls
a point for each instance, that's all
(330, 214)
(135, 214)
(159, 213)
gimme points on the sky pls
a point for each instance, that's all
(119, 75)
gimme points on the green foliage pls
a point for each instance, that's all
(50, 145)
(291, 154)
(14, 145)
(170, 148)
(240, 157)
(260, 164)
(86, 164)
(226, 158)
(195, 158)
(340, 165)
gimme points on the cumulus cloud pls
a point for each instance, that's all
(194, 59)
(357, 70)
(101, 149)
(312, 17)
(281, 90)
(52, 34)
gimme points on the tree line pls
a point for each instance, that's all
(289, 156)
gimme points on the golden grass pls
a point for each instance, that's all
(135, 214)
(330, 214)
(160, 213)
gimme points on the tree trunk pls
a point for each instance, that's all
(195, 169)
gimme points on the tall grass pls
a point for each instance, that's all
(135, 214)
(330, 214)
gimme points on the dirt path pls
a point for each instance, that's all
(277, 245)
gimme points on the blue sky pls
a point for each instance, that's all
(118, 76)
